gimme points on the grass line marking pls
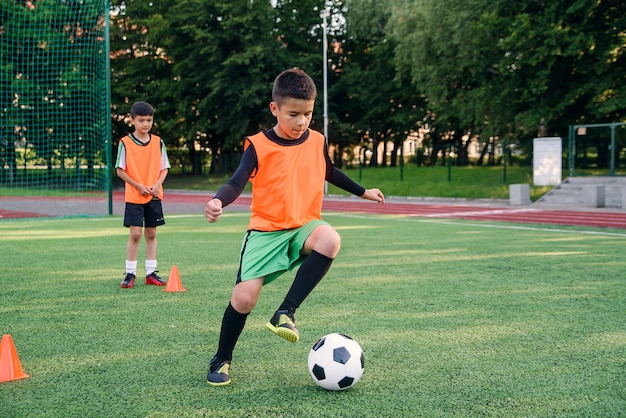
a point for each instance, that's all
(486, 225)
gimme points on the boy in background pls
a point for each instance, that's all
(287, 166)
(143, 165)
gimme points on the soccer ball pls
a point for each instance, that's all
(336, 362)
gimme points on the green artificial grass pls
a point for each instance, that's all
(456, 319)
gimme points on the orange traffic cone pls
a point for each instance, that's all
(173, 282)
(10, 367)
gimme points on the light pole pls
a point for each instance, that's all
(325, 13)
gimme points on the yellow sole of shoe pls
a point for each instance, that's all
(218, 384)
(285, 333)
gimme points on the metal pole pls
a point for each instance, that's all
(504, 155)
(108, 142)
(325, 14)
(570, 149)
(449, 162)
(612, 172)
(401, 161)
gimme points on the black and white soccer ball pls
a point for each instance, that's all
(336, 362)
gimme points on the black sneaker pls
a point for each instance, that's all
(128, 281)
(284, 325)
(153, 278)
(219, 372)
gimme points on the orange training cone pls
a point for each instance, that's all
(10, 367)
(173, 282)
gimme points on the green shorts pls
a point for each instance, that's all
(270, 254)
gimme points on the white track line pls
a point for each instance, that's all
(486, 225)
(461, 214)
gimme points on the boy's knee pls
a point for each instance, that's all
(246, 294)
(325, 240)
(150, 233)
(331, 242)
(336, 239)
(243, 303)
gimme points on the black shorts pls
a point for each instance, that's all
(151, 212)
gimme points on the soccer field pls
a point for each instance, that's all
(455, 317)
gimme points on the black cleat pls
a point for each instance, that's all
(283, 324)
(219, 372)
(153, 278)
(128, 281)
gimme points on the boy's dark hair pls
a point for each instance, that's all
(141, 109)
(293, 84)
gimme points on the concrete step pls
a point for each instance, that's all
(606, 180)
(605, 191)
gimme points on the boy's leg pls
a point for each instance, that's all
(133, 220)
(151, 242)
(244, 298)
(153, 215)
(322, 245)
(132, 248)
(151, 262)
(232, 326)
(310, 273)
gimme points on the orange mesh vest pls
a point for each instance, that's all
(143, 164)
(288, 184)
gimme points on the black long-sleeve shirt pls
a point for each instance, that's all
(233, 187)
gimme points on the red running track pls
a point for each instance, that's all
(533, 214)
(604, 218)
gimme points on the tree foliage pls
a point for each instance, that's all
(371, 101)
(209, 66)
(466, 68)
(503, 68)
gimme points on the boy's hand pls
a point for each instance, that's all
(374, 194)
(145, 190)
(213, 210)
(154, 190)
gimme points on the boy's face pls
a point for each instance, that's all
(293, 117)
(142, 124)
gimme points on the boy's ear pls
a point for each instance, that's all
(274, 108)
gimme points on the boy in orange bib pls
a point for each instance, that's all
(287, 166)
(143, 165)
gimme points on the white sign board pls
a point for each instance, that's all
(547, 161)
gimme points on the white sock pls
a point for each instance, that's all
(151, 266)
(131, 267)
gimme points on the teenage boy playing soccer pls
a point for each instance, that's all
(287, 166)
(143, 165)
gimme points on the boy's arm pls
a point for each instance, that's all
(121, 173)
(338, 178)
(155, 187)
(233, 187)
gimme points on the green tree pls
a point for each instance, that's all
(371, 101)
(500, 68)
(140, 67)
(209, 67)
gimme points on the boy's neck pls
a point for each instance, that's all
(142, 138)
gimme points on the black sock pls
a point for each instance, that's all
(312, 270)
(232, 325)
